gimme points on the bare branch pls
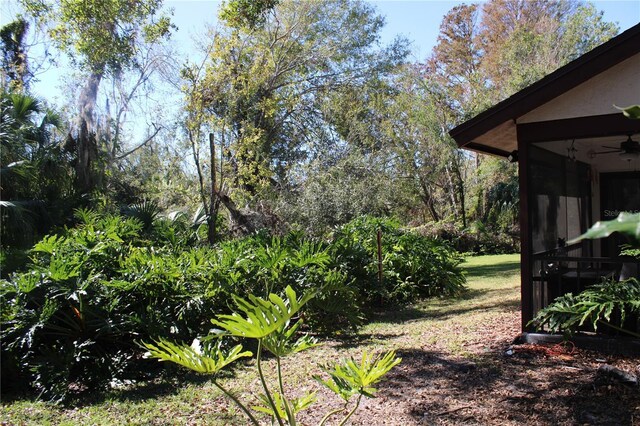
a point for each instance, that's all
(146, 141)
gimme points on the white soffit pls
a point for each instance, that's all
(503, 137)
(619, 85)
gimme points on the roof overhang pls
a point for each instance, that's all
(495, 131)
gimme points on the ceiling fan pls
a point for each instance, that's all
(628, 150)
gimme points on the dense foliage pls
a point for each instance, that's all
(413, 266)
(613, 304)
(93, 290)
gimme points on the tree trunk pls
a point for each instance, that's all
(427, 199)
(214, 206)
(461, 191)
(86, 143)
(241, 224)
(452, 192)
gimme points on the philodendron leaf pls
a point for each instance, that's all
(281, 342)
(207, 360)
(626, 223)
(281, 403)
(352, 377)
(632, 112)
(261, 317)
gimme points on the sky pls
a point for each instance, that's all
(417, 20)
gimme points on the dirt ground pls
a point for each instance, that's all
(505, 384)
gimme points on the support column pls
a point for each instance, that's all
(526, 276)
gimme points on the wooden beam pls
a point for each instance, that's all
(526, 273)
(577, 128)
(486, 149)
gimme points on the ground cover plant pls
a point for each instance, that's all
(455, 370)
(72, 318)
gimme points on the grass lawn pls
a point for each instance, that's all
(453, 372)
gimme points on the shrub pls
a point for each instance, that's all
(477, 239)
(602, 304)
(413, 266)
(88, 294)
(261, 264)
(92, 291)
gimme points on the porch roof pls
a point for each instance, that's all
(495, 131)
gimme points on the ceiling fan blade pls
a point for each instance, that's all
(613, 147)
(608, 152)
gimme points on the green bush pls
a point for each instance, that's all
(261, 264)
(89, 293)
(413, 266)
(92, 291)
(477, 239)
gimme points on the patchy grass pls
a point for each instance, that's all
(453, 372)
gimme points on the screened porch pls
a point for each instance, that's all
(571, 185)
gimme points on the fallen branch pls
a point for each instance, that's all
(444, 413)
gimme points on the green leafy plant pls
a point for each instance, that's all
(632, 112)
(270, 322)
(626, 223)
(597, 305)
(413, 266)
(89, 291)
(352, 378)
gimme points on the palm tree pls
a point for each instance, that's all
(34, 171)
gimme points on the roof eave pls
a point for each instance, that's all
(563, 79)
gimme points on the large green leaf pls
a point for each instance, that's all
(207, 360)
(352, 377)
(281, 343)
(262, 317)
(626, 223)
(632, 112)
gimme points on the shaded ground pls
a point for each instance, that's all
(459, 368)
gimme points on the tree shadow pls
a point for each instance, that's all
(352, 341)
(443, 311)
(493, 270)
(495, 389)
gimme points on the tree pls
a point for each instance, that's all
(102, 39)
(486, 53)
(15, 70)
(263, 87)
(35, 183)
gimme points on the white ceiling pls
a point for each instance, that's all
(611, 162)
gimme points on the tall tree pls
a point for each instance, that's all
(15, 70)
(488, 51)
(101, 38)
(264, 86)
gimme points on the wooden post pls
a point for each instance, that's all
(380, 257)
(213, 205)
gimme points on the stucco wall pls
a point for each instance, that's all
(619, 85)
